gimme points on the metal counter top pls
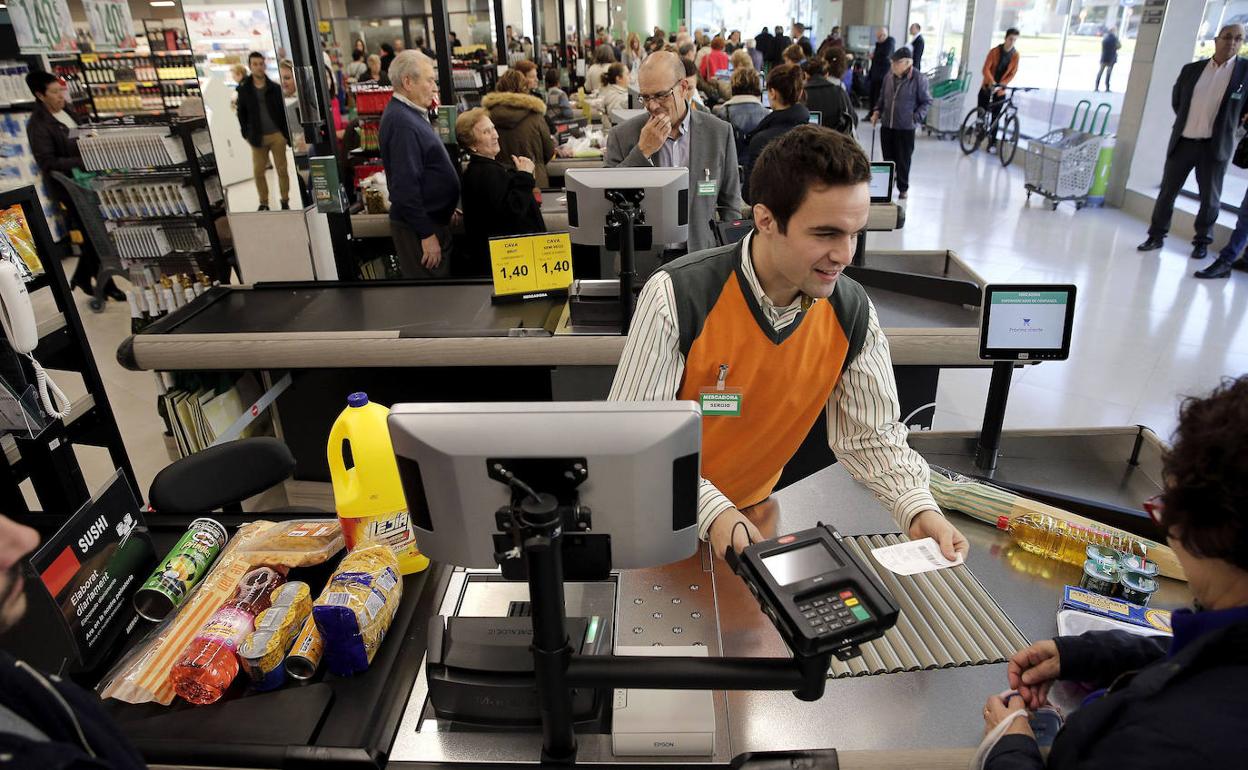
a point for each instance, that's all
(937, 709)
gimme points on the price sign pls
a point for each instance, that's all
(112, 27)
(43, 26)
(531, 263)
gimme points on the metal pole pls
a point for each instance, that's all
(593, 28)
(500, 34)
(442, 52)
(562, 59)
(537, 37)
(994, 416)
(628, 220)
(580, 42)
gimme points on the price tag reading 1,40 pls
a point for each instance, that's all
(531, 263)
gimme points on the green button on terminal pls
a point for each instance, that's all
(860, 613)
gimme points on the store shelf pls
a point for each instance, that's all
(153, 173)
(160, 219)
(139, 114)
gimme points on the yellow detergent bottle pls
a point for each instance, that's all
(368, 495)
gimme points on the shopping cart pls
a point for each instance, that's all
(87, 203)
(1061, 165)
(944, 114)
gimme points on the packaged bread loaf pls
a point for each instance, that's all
(301, 543)
(357, 607)
(264, 649)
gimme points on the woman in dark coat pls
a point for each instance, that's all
(785, 86)
(521, 122)
(829, 98)
(497, 200)
(1158, 702)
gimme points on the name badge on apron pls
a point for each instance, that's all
(708, 188)
(720, 401)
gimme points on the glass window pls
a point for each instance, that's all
(943, 23)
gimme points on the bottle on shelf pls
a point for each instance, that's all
(210, 662)
(1063, 541)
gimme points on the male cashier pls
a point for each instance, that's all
(769, 332)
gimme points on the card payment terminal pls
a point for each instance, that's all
(818, 595)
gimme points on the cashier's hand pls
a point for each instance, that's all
(731, 527)
(997, 709)
(653, 135)
(523, 164)
(1033, 670)
(933, 524)
(432, 252)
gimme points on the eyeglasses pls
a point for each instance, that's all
(647, 98)
(1154, 507)
(1232, 38)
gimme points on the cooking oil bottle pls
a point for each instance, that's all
(1053, 538)
(368, 495)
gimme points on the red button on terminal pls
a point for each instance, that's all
(847, 594)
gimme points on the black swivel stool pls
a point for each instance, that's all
(223, 476)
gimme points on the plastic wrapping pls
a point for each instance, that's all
(142, 675)
(356, 608)
(302, 543)
(264, 649)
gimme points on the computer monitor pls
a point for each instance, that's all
(621, 115)
(1027, 322)
(666, 205)
(641, 458)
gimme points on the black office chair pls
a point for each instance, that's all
(222, 476)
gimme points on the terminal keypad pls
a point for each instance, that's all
(833, 612)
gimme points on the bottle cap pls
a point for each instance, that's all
(1003, 522)
(357, 399)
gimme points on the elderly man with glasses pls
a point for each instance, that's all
(1208, 100)
(672, 135)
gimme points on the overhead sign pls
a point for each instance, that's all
(43, 26)
(112, 27)
(531, 264)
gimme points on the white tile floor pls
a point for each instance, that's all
(1147, 333)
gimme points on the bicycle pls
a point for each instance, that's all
(1002, 129)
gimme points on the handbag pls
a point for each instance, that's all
(1240, 158)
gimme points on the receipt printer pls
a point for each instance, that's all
(480, 670)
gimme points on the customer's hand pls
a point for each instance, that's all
(432, 248)
(654, 134)
(732, 528)
(1033, 670)
(875, 117)
(523, 164)
(933, 524)
(997, 709)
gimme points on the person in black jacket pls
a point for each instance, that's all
(881, 63)
(55, 149)
(764, 41)
(262, 119)
(45, 722)
(785, 92)
(917, 45)
(497, 200)
(1166, 703)
(829, 98)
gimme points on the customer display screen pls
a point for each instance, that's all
(881, 184)
(801, 564)
(1027, 322)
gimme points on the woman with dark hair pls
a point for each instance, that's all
(1164, 702)
(520, 119)
(785, 89)
(614, 92)
(828, 98)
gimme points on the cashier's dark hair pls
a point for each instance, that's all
(38, 82)
(1205, 505)
(805, 157)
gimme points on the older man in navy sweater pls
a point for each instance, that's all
(424, 188)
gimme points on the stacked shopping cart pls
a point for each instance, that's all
(944, 115)
(1061, 165)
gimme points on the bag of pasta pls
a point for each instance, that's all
(356, 608)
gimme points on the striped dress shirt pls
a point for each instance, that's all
(864, 430)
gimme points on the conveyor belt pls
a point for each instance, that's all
(947, 620)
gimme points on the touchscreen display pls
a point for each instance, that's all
(1027, 320)
(881, 176)
(801, 563)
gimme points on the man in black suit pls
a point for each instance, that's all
(780, 41)
(881, 62)
(799, 38)
(1208, 100)
(916, 45)
(764, 41)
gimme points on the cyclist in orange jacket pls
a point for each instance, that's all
(1000, 67)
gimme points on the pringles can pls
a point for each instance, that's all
(181, 570)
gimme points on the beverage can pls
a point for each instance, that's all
(305, 656)
(181, 570)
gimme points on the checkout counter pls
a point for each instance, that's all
(912, 699)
